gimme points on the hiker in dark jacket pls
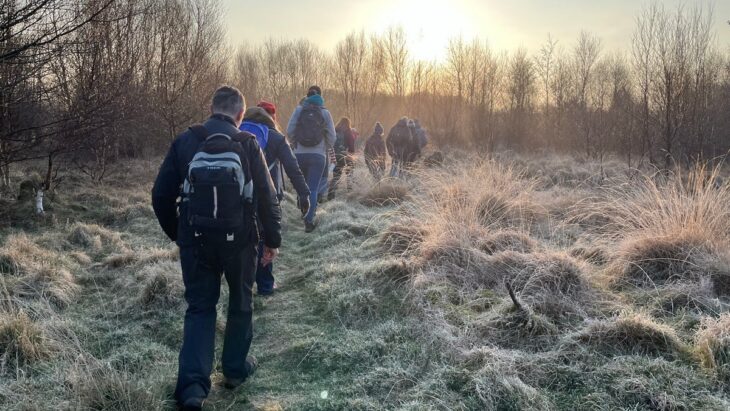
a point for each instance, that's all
(278, 155)
(421, 135)
(413, 148)
(398, 144)
(312, 159)
(344, 156)
(375, 152)
(207, 254)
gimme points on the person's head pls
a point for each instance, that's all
(269, 107)
(378, 129)
(344, 124)
(411, 124)
(314, 90)
(228, 101)
(418, 123)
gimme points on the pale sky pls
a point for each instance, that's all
(506, 24)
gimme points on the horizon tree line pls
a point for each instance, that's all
(85, 84)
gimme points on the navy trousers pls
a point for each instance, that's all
(203, 267)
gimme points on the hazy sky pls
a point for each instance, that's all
(506, 24)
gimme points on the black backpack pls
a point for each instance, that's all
(310, 128)
(401, 138)
(218, 185)
(340, 148)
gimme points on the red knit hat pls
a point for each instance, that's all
(269, 107)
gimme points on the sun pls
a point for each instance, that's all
(428, 24)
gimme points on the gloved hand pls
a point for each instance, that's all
(304, 205)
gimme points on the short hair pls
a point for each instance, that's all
(314, 90)
(227, 100)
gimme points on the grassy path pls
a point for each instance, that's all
(294, 328)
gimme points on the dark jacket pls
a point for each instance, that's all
(399, 140)
(172, 174)
(375, 148)
(413, 149)
(278, 149)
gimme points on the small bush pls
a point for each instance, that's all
(632, 333)
(21, 341)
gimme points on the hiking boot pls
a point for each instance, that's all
(309, 227)
(193, 404)
(233, 383)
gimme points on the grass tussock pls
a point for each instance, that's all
(162, 288)
(387, 192)
(22, 342)
(95, 238)
(141, 258)
(52, 284)
(650, 262)
(632, 333)
(712, 343)
(97, 386)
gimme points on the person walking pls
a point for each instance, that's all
(225, 187)
(312, 131)
(412, 149)
(344, 156)
(261, 122)
(398, 143)
(421, 135)
(375, 152)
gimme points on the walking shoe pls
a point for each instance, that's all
(251, 365)
(193, 404)
(309, 227)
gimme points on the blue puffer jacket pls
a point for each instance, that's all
(174, 169)
(278, 149)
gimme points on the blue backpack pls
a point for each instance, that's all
(259, 130)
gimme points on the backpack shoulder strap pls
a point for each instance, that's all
(199, 131)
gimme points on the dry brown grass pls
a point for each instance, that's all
(712, 343)
(141, 258)
(163, 287)
(386, 192)
(632, 333)
(96, 238)
(21, 342)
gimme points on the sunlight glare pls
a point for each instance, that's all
(429, 25)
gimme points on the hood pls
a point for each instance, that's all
(403, 122)
(378, 129)
(260, 116)
(315, 100)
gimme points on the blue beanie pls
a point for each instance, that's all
(315, 100)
